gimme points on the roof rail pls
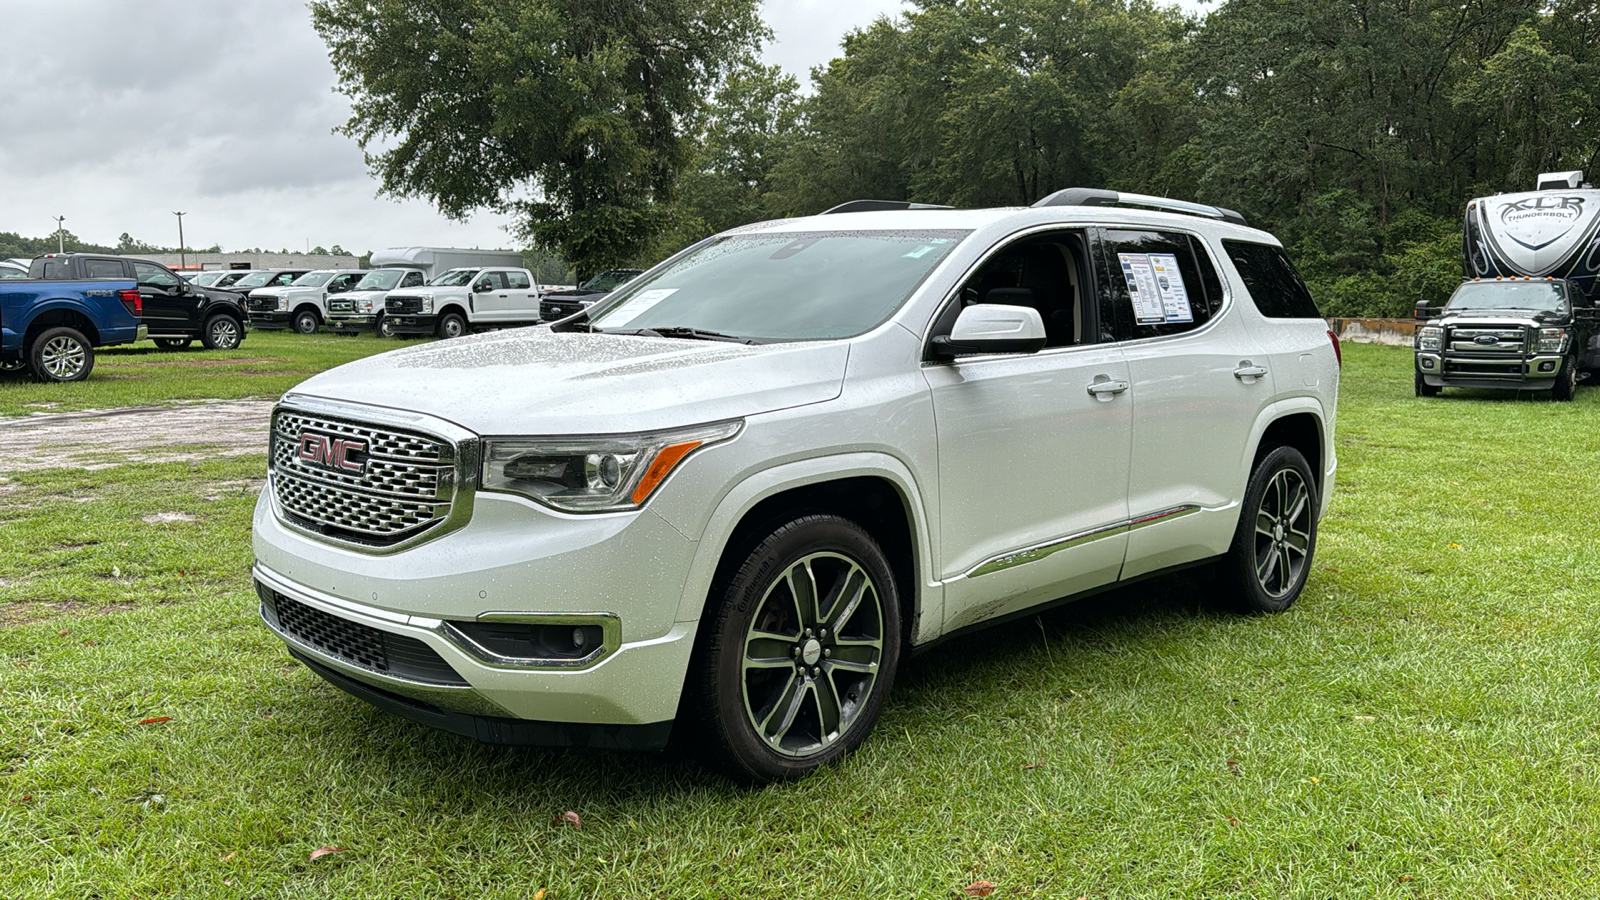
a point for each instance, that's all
(880, 206)
(1096, 197)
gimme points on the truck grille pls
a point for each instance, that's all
(261, 304)
(558, 309)
(403, 305)
(354, 643)
(341, 306)
(359, 483)
(1486, 352)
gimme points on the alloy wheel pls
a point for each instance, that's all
(812, 653)
(1283, 533)
(63, 358)
(224, 334)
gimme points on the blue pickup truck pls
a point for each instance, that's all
(50, 328)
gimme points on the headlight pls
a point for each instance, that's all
(364, 306)
(427, 303)
(1552, 340)
(283, 304)
(1430, 337)
(600, 474)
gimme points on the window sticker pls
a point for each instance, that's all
(920, 252)
(637, 306)
(1143, 292)
(1169, 281)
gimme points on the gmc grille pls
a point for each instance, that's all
(398, 484)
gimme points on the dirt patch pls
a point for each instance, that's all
(166, 517)
(41, 610)
(134, 435)
(208, 363)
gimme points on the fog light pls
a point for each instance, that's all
(1547, 367)
(579, 638)
(1427, 364)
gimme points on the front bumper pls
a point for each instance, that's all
(508, 559)
(1520, 374)
(269, 321)
(413, 323)
(351, 323)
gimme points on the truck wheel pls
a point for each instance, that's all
(797, 652)
(306, 322)
(221, 332)
(11, 367)
(173, 343)
(1424, 389)
(1273, 545)
(61, 354)
(1566, 386)
(451, 325)
(385, 327)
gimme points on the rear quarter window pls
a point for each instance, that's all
(1274, 285)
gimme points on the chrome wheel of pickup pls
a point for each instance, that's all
(811, 653)
(61, 354)
(221, 333)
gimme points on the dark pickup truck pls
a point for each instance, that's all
(50, 328)
(1523, 334)
(175, 311)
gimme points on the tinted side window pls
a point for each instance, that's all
(284, 278)
(151, 275)
(1158, 283)
(518, 281)
(1046, 272)
(55, 270)
(412, 279)
(1273, 283)
(102, 268)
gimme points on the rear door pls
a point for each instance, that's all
(524, 298)
(1199, 381)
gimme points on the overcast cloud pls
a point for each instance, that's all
(226, 111)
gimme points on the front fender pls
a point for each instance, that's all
(738, 502)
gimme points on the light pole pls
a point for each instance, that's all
(61, 238)
(183, 260)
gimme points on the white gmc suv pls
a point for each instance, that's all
(728, 500)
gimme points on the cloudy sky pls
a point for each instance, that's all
(224, 110)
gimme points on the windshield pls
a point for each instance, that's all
(205, 279)
(1546, 296)
(802, 286)
(455, 277)
(379, 280)
(609, 280)
(232, 278)
(313, 279)
(254, 279)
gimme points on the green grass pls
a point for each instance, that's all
(1422, 724)
(265, 365)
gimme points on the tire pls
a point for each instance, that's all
(1276, 539)
(221, 332)
(173, 343)
(1424, 389)
(14, 367)
(452, 325)
(384, 328)
(60, 355)
(815, 689)
(306, 322)
(1566, 386)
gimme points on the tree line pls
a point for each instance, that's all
(618, 131)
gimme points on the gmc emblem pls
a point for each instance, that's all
(328, 452)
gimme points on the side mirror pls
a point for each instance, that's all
(483, 287)
(1420, 311)
(992, 328)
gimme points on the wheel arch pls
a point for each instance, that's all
(454, 306)
(877, 492)
(1300, 424)
(305, 305)
(60, 316)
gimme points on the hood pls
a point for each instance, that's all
(435, 289)
(536, 382)
(374, 296)
(1496, 318)
(263, 292)
(575, 293)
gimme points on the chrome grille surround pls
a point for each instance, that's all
(416, 481)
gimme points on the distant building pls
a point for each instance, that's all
(197, 261)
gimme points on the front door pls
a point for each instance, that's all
(1033, 448)
(167, 309)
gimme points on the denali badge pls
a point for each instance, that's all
(332, 453)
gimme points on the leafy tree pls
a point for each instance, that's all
(568, 113)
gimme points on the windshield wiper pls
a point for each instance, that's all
(695, 334)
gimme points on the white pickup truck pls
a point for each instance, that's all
(462, 300)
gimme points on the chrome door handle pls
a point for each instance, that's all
(1104, 387)
(1246, 370)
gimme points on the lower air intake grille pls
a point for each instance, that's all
(357, 644)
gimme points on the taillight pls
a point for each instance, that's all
(132, 300)
(1338, 354)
